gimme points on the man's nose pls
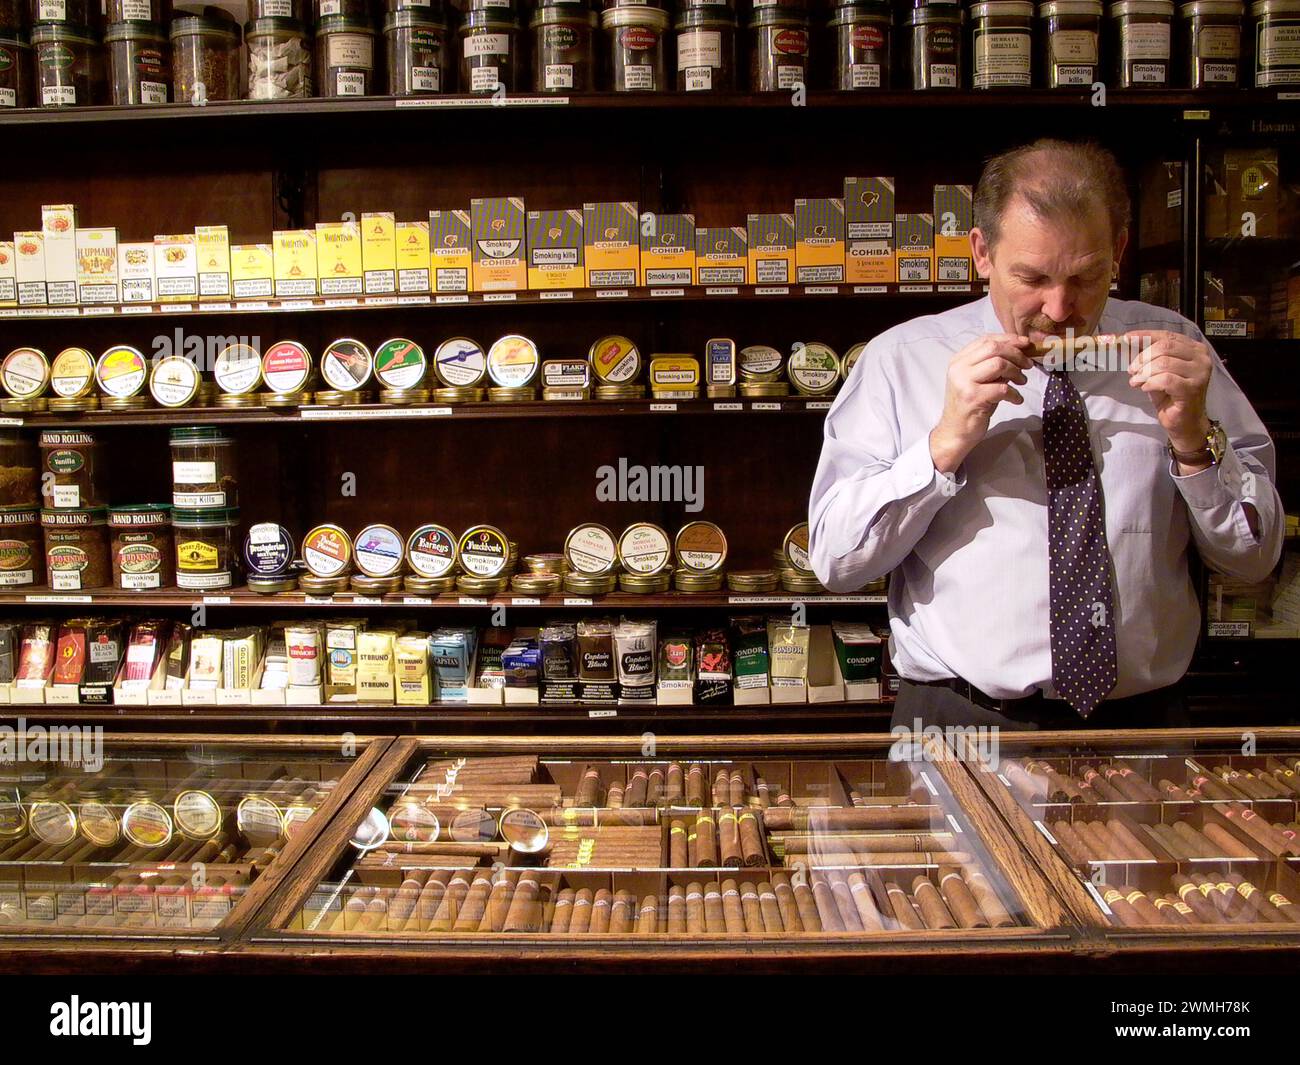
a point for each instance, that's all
(1058, 304)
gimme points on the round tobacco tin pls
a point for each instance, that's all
(760, 362)
(414, 823)
(589, 583)
(313, 585)
(13, 818)
(472, 585)
(644, 583)
(121, 372)
(286, 366)
(259, 818)
(701, 547)
(536, 583)
(460, 363)
(238, 369)
(271, 585)
(72, 374)
(25, 373)
(327, 551)
(379, 550)
(524, 830)
(473, 826)
(431, 551)
(752, 580)
(53, 822)
(513, 361)
(98, 824)
(197, 814)
(795, 548)
(376, 585)
(268, 550)
(483, 551)
(429, 585)
(400, 363)
(146, 824)
(346, 365)
(851, 358)
(644, 548)
(615, 360)
(814, 369)
(591, 549)
(174, 381)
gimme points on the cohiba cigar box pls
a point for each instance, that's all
(451, 251)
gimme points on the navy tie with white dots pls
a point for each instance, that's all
(1082, 599)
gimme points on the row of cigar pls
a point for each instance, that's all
(220, 850)
(1199, 900)
(673, 785)
(1036, 781)
(724, 837)
(532, 901)
(875, 850)
(607, 847)
(1114, 841)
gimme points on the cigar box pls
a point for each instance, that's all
(252, 271)
(411, 665)
(451, 251)
(29, 268)
(555, 250)
(869, 231)
(915, 235)
(8, 275)
(824, 682)
(819, 230)
(132, 693)
(1250, 176)
(488, 678)
(175, 266)
(611, 235)
(212, 248)
(721, 255)
(338, 258)
(498, 226)
(858, 652)
(413, 258)
(97, 280)
(135, 272)
(954, 215)
(59, 225)
(668, 250)
(379, 253)
(771, 249)
(294, 257)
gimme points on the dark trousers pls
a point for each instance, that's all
(935, 704)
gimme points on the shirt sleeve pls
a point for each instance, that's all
(1223, 499)
(874, 494)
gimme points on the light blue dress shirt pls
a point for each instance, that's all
(968, 554)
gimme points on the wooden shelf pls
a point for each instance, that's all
(242, 597)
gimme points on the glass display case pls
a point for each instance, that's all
(1187, 834)
(153, 837)
(723, 844)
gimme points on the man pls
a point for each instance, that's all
(1037, 521)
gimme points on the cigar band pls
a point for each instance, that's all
(747, 816)
(1113, 896)
(729, 893)
(944, 879)
(1206, 889)
(728, 816)
(693, 895)
(1247, 815)
(1163, 904)
(1133, 896)
(1224, 888)
(1245, 889)
(1278, 899)
(1182, 908)
(767, 895)
(860, 885)
(704, 817)
(676, 830)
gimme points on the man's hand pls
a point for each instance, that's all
(980, 377)
(1174, 370)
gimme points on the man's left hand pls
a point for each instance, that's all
(1174, 370)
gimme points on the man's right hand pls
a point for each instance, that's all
(980, 377)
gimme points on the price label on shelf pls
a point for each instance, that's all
(318, 600)
(416, 600)
(722, 405)
(663, 408)
(342, 301)
(254, 305)
(218, 308)
(570, 600)
(611, 293)
(555, 294)
(57, 598)
(413, 301)
(367, 600)
(870, 290)
(8, 422)
(216, 600)
(499, 297)
(954, 288)
(347, 414)
(915, 288)
(668, 292)
(762, 405)
(821, 290)
(722, 290)
(137, 308)
(602, 713)
(297, 305)
(772, 290)
(442, 301)
(818, 404)
(472, 600)
(524, 600)
(381, 301)
(94, 312)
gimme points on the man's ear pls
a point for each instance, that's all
(1121, 243)
(982, 252)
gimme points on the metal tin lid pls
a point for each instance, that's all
(701, 547)
(1260, 7)
(52, 822)
(72, 374)
(259, 27)
(212, 22)
(402, 397)
(174, 381)
(563, 15)
(473, 826)
(24, 373)
(487, 20)
(271, 585)
(651, 18)
(854, 353)
(483, 551)
(435, 585)
(644, 548)
(513, 361)
(467, 582)
(547, 562)
(539, 583)
(589, 583)
(524, 830)
(795, 548)
(146, 824)
(1053, 8)
(198, 434)
(74, 406)
(312, 584)
(372, 585)
(347, 364)
(238, 369)
(286, 366)
(1142, 7)
(400, 363)
(268, 550)
(379, 550)
(197, 814)
(860, 12)
(591, 549)
(715, 16)
(121, 372)
(615, 359)
(814, 368)
(285, 400)
(431, 551)
(642, 583)
(752, 580)
(13, 816)
(343, 24)
(97, 823)
(124, 403)
(413, 19)
(204, 517)
(759, 362)
(943, 13)
(140, 516)
(327, 551)
(259, 818)
(460, 363)
(1002, 9)
(136, 30)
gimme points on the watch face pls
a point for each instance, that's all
(1217, 440)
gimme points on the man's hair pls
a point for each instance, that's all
(1058, 180)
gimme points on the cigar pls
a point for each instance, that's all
(1130, 842)
(1241, 782)
(677, 858)
(1169, 911)
(773, 921)
(706, 843)
(732, 914)
(403, 905)
(821, 819)
(1209, 891)
(785, 903)
(783, 799)
(729, 838)
(753, 912)
(828, 912)
(562, 915)
(1225, 843)
(1120, 907)
(692, 845)
(637, 788)
(1277, 788)
(449, 906)
(1060, 788)
(1129, 784)
(1030, 788)
(695, 923)
(864, 900)
(673, 787)
(809, 916)
(1257, 906)
(600, 911)
(588, 788)
(990, 905)
(1284, 906)
(751, 840)
(655, 786)
(736, 789)
(614, 797)
(523, 915)
(1104, 789)
(715, 919)
(931, 905)
(621, 912)
(1194, 845)
(1144, 907)
(474, 907)
(1286, 778)
(647, 921)
(1075, 847)
(582, 908)
(695, 786)
(901, 905)
(1172, 792)
(883, 859)
(677, 910)
(764, 798)
(959, 900)
(498, 906)
(1191, 896)
(354, 910)
(1214, 789)
(1099, 843)
(721, 788)
(1258, 829)
(1168, 841)
(572, 817)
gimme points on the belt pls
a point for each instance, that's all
(1024, 705)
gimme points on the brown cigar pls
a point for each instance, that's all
(1076, 848)
(729, 838)
(1127, 783)
(1100, 846)
(1030, 788)
(1104, 789)
(1168, 841)
(706, 842)
(928, 900)
(1120, 907)
(621, 913)
(1060, 788)
(764, 796)
(736, 788)
(785, 901)
(828, 914)
(732, 913)
(695, 908)
(601, 904)
(695, 786)
(1191, 896)
(1284, 906)
(751, 839)
(1169, 911)
(589, 788)
(1196, 845)
(582, 907)
(471, 912)
(1172, 792)
(843, 899)
(715, 918)
(769, 908)
(819, 819)
(1225, 844)
(865, 901)
(809, 915)
(721, 788)
(750, 907)
(904, 912)
(562, 915)
(449, 906)
(647, 920)
(990, 905)
(677, 911)
(655, 786)
(1214, 789)
(637, 788)
(1257, 906)
(959, 900)
(673, 786)
(1145, 908)
(677, 845)
(498, 905)
(523, 915)
(1257, 828)
(614, 797)
(1130, 842)
(1210, 891)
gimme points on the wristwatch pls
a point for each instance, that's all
(1216, 444)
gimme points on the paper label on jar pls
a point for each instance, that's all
(698, 79)
(198, 499)
(1279, 45)
(330, 7)
(194, 473)
(203, 580)
(1001, 58)
(426, 79)
(274, 9)
(66, 580)
(139, 581)
(58, 95)
(481, 44)
(67, 495)
(350, 50)
(1145, 40)
(483, 79)
(349, 83)
(16, 577)
(638, 77)
(864, 75)
(1219, 72)
(699, 48)
(1077, 47)
(1148, 73)
(559, 76)
(789, 77)
(8, 98)
(53, 11)
(943, 75)
(153, 92)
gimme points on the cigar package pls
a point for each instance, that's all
(452, 652)
(788, 646)
(144, 648)
(341, 660)
(713, 668)
(411, 658)
(70, 654)
(36, 655)
(207, 657)
(635, 646)
(242, 653)
(521, 663)
(749, 652)
(559, 646)
(103, 652)
(10, 638)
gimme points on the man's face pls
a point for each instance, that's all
(1047, 276)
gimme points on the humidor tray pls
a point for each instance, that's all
(1221, 868)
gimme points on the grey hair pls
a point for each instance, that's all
(1057, 180)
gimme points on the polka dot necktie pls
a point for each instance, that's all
(1082, 600)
